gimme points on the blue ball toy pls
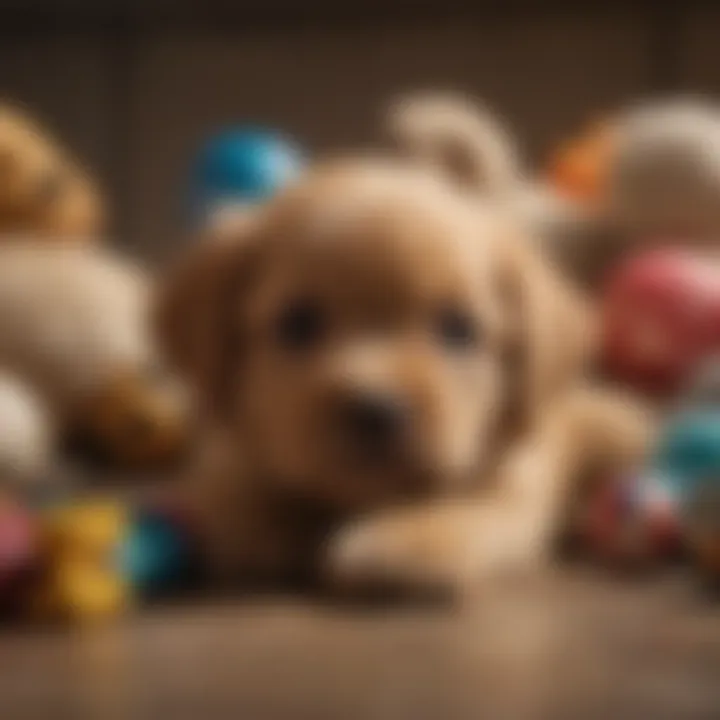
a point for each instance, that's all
(241, 166)
(157, 556)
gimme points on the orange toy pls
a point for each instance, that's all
(579, 167)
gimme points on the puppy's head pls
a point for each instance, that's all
(364, 334)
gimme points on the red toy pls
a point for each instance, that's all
(632, 522)
(661, 317)
(19, 554)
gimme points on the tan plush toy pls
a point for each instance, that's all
(73, 326)
(43, 191)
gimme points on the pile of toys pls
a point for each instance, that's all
(86, 559)
(660, 319)
(69, 551)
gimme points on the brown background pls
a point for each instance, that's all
(134, 86)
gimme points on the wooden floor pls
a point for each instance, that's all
(573, 646)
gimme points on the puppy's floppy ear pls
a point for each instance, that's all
(464, 141)
(551, 328)
(195, 308)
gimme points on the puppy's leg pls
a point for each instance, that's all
(243, 540)
(449, 545)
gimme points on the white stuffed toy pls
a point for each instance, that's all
(26, 436)
(660, 172)
(664, 174)
(74, 326)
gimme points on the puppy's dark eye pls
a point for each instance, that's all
(457, 330)
(301, 326)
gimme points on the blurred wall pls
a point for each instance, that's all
(133, 87)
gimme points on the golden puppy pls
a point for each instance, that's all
(43, 192)
(394, 382)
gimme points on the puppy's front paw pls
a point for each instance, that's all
(404, 553)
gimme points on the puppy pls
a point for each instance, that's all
(43, 192)
(393, 379)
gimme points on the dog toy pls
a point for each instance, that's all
(579, 167)
(703, 390)
(80, 579)
(689, 450)
(136, 420)
(689, 457)
(26, 437)
(241, 166)
(632, 521)
(661, 317)
(43, 191)
(101, 557)
(19, 555)
(74, 325)
(158, 554)
(664, 177)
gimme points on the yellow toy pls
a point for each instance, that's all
(43, 191)
(82, 578)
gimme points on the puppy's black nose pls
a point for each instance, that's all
(375, 421)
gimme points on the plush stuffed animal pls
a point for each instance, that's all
(578, 168)
(26, 437)
(660, 170)
(664, 172)
(73, 326)
(43, 191)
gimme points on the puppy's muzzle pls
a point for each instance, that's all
(375, 424)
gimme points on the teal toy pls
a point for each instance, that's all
(158, 554)
(241, 166)
(688, 454)
(689, 458)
